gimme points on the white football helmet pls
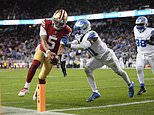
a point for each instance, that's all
(81, 27)
(141, 23)
(59, 19)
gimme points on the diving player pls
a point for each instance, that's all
(87, 39)
(53, 34)
(144, 38)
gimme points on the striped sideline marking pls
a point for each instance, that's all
(19, 111)
(105, 106)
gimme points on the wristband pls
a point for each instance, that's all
(46, 53)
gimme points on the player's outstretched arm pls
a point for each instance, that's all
(83, 45)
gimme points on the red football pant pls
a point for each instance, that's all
(32, 70)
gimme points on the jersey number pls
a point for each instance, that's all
(141, 43)
(52, 41)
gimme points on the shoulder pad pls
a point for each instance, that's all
(92, 37)
(46, 23)
(67, 30)
(152, 32)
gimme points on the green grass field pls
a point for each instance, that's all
(72, 92)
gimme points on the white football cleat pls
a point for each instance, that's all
(35, 94)
(23, 92)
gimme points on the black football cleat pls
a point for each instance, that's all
(141, 91)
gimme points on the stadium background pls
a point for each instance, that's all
(18, 42)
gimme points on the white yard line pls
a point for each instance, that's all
(18, 111)
(105, 106)
(21, 111)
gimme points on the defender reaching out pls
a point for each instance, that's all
(89, 40)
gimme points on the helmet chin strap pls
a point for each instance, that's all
(56, 27)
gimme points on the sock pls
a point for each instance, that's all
(31, 72)
(91, 79)
(27, 85)
(140, 76)
(42, 81)
(124, 75)
(92, 84)
(142, 85)
(130, 84)
(96, 91)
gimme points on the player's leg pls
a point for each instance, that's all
(38, 58)
(140, 63)
(91, 65)
(46, 68)
(63, 68)
(114, 64)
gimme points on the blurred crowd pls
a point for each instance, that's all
(18, 43)
(29, 9)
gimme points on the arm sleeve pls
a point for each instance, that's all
(93, 36)
(77, 46)
(42, 31)
(75, 42)
(84, 45)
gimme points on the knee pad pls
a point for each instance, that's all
(42, 81)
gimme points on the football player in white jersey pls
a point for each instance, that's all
(89, 40)
(144, 38)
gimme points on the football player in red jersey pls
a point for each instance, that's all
(53, 33)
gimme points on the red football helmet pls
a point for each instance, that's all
(59, 19)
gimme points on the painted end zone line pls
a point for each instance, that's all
(19, 111)
(105, 106)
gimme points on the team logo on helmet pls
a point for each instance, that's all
(60, 19)
(81, 27)
(141, 23)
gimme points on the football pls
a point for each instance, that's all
(54, 61)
